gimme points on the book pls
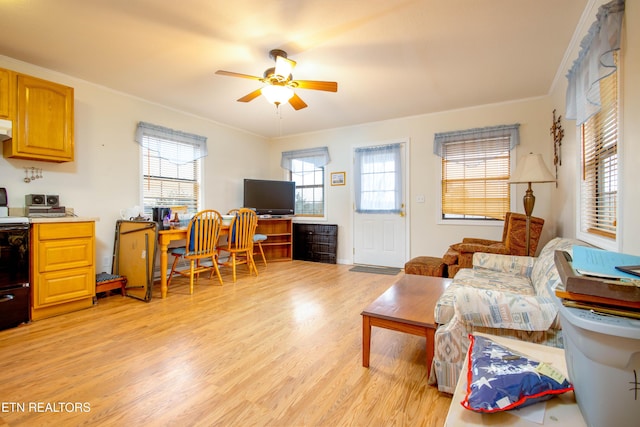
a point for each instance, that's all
(619, 292)
(601, 263)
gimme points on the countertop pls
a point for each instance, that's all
(39, 220)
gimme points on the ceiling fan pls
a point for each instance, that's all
(279, 84)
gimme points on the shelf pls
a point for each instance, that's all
(279, 243)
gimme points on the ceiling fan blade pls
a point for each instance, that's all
(232, 74)
(297, 103)
(316, 85)
(284, 66)
(251, 96)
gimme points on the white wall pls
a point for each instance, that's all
(105, 176)
(426, 235)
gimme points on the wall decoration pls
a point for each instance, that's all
(558, 133)
(338, 178)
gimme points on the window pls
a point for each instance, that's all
(476, 167)
(593, 101)
(599, 185)
(378, 179)
(306, 169)
(171, 167)
(309, 181)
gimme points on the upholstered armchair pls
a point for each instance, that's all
(513, 242)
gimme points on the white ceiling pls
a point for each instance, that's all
(390, 58)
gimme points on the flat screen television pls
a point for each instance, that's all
(269, 197)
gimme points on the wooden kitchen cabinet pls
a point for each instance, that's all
(7, 79)
(42, 114)
(62, 267)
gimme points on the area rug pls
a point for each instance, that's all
(392, 271)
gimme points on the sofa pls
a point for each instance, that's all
(503, 295)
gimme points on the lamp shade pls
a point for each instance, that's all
(277, 94)
(531, 168)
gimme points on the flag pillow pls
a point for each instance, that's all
(499, 379)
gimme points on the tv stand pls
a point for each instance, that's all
(279, 243)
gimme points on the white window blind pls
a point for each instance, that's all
(599, 187)
(171, 167)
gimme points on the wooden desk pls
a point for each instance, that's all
(165, 237)
(407, 307)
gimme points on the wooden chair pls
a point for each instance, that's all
(240, 240)
(202, 240)
(257, 239)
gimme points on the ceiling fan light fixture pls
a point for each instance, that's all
(284, 67)
(277, 94)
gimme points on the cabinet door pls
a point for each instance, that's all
(61, 254)
(65, 285)
(44, 120)
(6, 93)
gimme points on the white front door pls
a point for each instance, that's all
(379, 214)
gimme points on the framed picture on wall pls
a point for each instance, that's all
(338, 178)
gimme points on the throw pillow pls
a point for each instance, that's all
(499, 379)
(498, 248)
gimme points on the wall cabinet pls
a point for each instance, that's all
(62, 267)
(7, 79)
(42, 113)
(278, 246)
(315, 242)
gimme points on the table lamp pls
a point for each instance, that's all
(530, 168)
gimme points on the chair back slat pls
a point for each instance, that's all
(243, 227)
(203, 234)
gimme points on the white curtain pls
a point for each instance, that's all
(477, 135)
(595, 62)
(319, 157)
(378, 179)
(172, 145)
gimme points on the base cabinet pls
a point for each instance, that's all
(279, 243)
(62, 268)
(316, 242)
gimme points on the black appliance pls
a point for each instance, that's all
(268, 197)
(14, 272)
(162, 216)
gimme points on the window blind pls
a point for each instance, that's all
(171, 167)
(475, 178)
(168, 184)
(599, 187)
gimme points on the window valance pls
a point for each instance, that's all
(173, 145)
(319, 157)
(595, 62)
(477, 135)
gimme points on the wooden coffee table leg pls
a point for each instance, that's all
(366, 340)
(430, 334)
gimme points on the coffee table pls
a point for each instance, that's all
(407, 307)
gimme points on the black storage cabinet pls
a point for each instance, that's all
(315, 242)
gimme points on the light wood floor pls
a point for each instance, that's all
(283, 349)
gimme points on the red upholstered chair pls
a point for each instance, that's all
(513, 242)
